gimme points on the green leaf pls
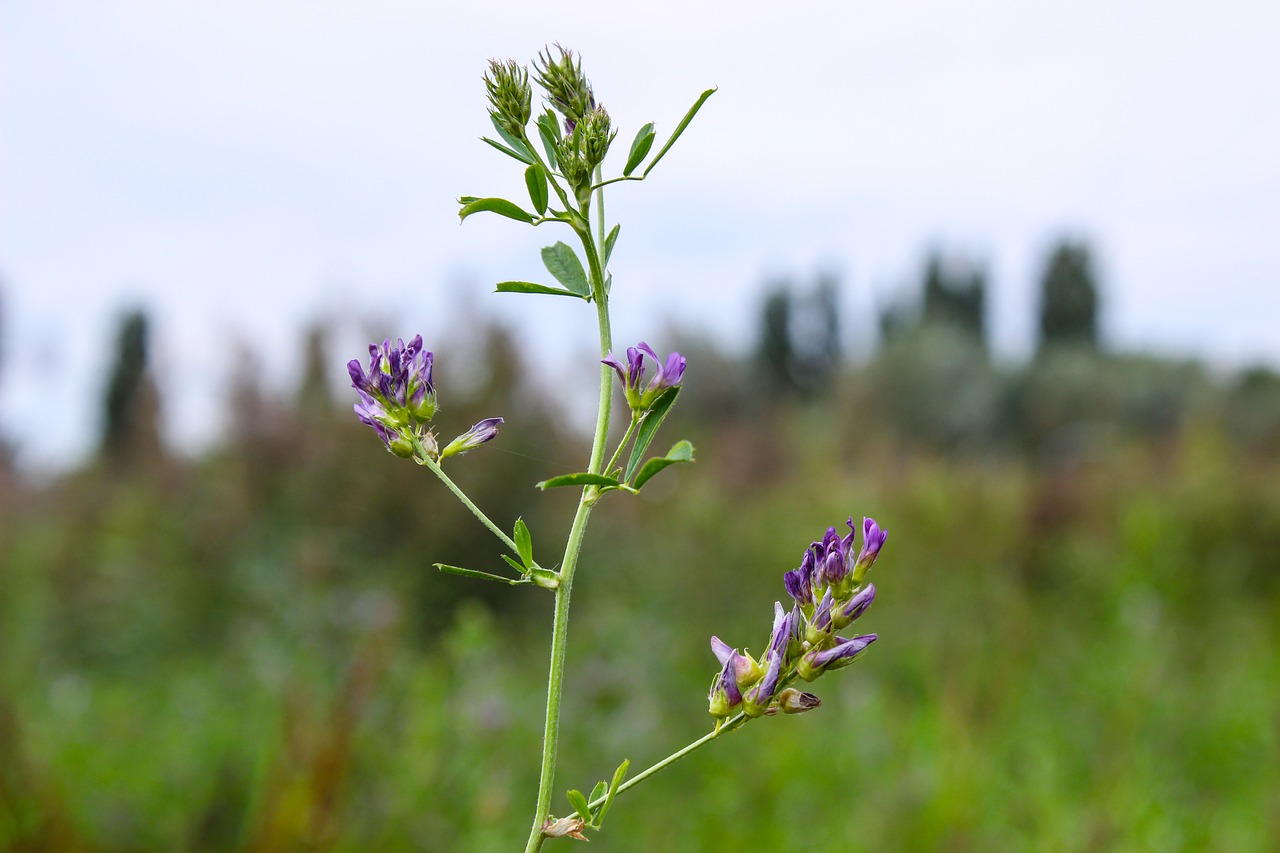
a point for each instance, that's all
(684, 122)
(579, 804)
(495, 205)
(618, 776)
(648, 428)
(598, 791)
(549, 132)
(562, 262)
(515, 143)
(609, 241)
(530, 287)
(467, 199)
(513, 564)
(524, 542)
(472, 573)
(509, 152)
(580, 479)
(681, 452)
(536, 180)
(639, 148)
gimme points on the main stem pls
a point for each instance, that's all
(560, 627)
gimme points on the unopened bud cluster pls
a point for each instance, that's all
(829, 594)
(587, 129)
(398, 400)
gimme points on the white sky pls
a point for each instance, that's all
(241, 168)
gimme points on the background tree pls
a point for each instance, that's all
(131, 407)
(1069, 297)
(799, 346)
(955, 294)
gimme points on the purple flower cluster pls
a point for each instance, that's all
(398, 398)
(640, 396)
(829, 595)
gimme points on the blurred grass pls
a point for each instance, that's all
(250, 652)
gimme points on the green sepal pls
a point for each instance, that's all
(530, 287)
(472, 573)
(681, 452)
(579, 804)
(639, 148)
(580, 479)
(648, 428)
(495, 205)
(524, 543)
(535, 178)
(609, 241)
(684, 122)
(562, 262)
(508, 151)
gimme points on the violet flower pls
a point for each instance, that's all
(667, 375)
(818, 660)
(399, 377)
(484, 431)
(873, 537)
(725, 695)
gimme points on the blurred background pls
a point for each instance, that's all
(1001, 276)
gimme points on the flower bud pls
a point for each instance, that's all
(566, 87)
(724, 696)
(817, 661)
(483, 431)
(596, 137)
(872, 541)
(853, 608)
(510, 96)
(793, 701)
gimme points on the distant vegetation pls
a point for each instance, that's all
(1079, 648)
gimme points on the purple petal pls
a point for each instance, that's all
(720, 649)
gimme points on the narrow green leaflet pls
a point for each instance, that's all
(530, 287)
(513, 564)
(505, 150)
(598, 791)
(495, 205)
(609, 241)
(648, 428)
(579, 804)
(515, 143)
(536, 180)
(524, 542)
(580, 479)
(639, 148)
(618, 776)
(681, 452)
(550, 136)
(472, 573)
(562, 262)
(684, 122)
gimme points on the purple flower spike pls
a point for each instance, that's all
(472, 438)
(397, 388)
(631, 375)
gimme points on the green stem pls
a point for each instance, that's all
(458, 493)
(635, 419)
(560, 626)
(732, 724)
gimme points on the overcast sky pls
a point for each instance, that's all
(242, 168)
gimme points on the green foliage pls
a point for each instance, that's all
(129, 406)
(1083, 652)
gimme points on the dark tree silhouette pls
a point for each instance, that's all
(131, 406)
(1069, 297)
